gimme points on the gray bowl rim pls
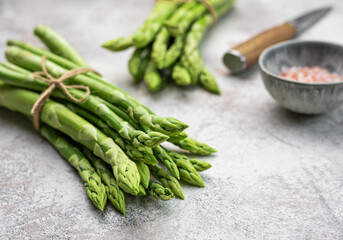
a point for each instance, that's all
(294, 42)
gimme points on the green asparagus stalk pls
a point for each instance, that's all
(144, 154)
(17, 78)
(167, 181)
(208, 81)
(187, 172)
(181, 75)
(200, 165)
(141, 191)
(194, 147)
(119, 44)
(113, 94)
(159, 192)
(164, 157)
(174, 51)
(160, 48)
(96, 191)
(144, 172)
(191, 58)
(138, 63)
(115, 195)
(14, 68)
(152, 78)
(57, 44)
(61, 118)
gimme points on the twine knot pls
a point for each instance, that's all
(57, 83)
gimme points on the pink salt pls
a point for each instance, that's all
(311, 75)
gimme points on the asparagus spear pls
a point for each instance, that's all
(141, 191)
(191, 58)
(160, 47)
(152, 78)
(144, 172)
(159, 192)
(167, 181)
(57, 44)
(187, 172)
(96, 191)
(115, 195)
(208, 81)
(14, 68)
(181, 75)
(111, 93)
(164, 157)
(174, 51)
(61, 118)
(138, 63)
(119, 44)
(195, 147)
(200, 165)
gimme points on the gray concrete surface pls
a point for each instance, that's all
(277, 175)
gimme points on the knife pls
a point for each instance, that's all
(246, 54)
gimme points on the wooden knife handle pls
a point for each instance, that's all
(252, 48)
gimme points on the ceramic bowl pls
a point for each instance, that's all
(306, 98)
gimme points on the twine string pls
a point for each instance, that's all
(57, 83)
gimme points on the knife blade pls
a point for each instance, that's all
(246, 54)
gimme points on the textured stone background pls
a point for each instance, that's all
(277, 175)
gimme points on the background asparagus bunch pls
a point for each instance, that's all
(167, 44)
(111, 139)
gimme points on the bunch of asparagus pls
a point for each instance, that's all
(111, 139)
(167, 44)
